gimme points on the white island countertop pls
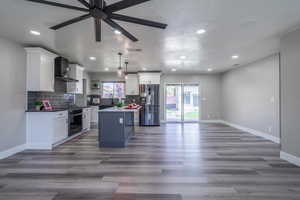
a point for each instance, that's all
(122, 109)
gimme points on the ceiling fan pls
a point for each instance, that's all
(98, 10)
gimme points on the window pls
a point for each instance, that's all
(107, 90)
(113, 90)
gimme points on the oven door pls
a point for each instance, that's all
(75, 122)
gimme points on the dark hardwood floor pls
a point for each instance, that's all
(171, 162)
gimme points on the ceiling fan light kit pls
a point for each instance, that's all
(98, 10)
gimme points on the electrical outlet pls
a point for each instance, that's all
(208, 116)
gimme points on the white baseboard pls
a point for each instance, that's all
(254, 132)
(210, 121)
(12, 151)
(201, 121)
(39, 146)
(290, 158)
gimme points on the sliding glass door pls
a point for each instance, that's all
(182, 102)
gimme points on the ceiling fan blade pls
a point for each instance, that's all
(59, 5)
(83, 2)
(121, 29)
(123, 4)
(72, 21)
(98, 30)
(137, 21)
(92, 3)
(97, 3)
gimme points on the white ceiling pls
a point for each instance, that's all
(249, 28)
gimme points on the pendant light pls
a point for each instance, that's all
(120, 67)
(126, 74)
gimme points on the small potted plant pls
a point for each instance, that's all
(38, 105)
(119, 104)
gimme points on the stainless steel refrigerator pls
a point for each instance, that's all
(149, 113)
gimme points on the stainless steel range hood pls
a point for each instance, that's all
(66, 79)
(62, 70)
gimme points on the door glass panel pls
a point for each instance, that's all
(173, 103)
(191, 102)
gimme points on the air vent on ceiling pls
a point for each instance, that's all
(134, 50)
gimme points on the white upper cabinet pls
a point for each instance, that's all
(132, 84)
(149, 78)
(76, 72)
(40, 69)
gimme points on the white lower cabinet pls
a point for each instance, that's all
(60, 124)
(45, 129)
(94, 114)
(86, 119)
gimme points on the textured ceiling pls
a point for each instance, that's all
(249, 28)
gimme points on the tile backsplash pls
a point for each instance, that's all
(57, 100)
(133, 99)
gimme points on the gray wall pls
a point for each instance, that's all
(210, 90)
(250, 96)
(290, 93)
(13, 95)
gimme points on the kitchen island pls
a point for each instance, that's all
(116, 126)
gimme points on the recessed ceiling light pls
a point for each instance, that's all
(201, 31)
(106, 69)
(32, 32)
(174, 70)
(117, 32)
(182, 57)
(144, 68)
(209, 69)
(92, 58)
(235, 56)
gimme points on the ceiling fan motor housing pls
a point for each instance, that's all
(98, 13)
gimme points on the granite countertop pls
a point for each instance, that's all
(116, 109)
(54, 110)
(58, 109)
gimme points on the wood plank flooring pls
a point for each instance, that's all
(171, 162)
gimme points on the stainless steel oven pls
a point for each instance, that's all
(75, 121)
